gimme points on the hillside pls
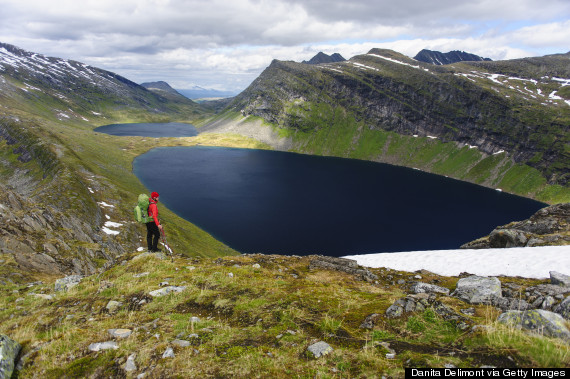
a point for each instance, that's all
(273, 316)
(500, 124)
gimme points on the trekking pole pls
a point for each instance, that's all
(166, 244)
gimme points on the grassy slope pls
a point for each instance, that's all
(256, 322)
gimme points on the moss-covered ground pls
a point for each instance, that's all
(251, 316)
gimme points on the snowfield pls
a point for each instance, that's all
(527, 262)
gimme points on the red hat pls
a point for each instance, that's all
(154, 195)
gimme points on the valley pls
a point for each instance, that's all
(68, 194)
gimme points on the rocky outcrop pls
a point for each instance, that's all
(9, 350)
(478, 289)
(342, 264)
(538, 321)
(548, 226)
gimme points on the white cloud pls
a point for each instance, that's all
(222, 41)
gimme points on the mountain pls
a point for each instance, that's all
(165, 90)
(438, 58)
(500, 124)
(65, 89)
(67, 190)
(324, 58)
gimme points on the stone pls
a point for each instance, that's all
(420, 287)
(563, 308)
(370, 321)
(120, 333)
(142, 274)
(169, 353)
(64, 284)
(539, 321)
(194, 319)
(559, 279)
(9, 350)
(256, 265)
(112, 306)
(319, 349)
(166, 290)
(505, 238)
(181, 343)
(130, 365)
(98, 346)
(468, 311)
(478, 289)
(349, 266)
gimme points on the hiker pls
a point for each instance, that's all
(153, 228)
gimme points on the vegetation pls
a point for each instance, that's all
(251, 316)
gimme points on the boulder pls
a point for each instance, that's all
(563, 308)
(420, 287)
(559, 279)
(64, 284)
(120, 333)
(538, 321)
(130, 365)
(505, 238)
(319, 349)
(98, 346)
(478, 289)
(112, 306)
(166, 290)
(9, 350)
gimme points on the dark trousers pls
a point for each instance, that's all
(152, 236)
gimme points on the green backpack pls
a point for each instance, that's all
(141, 210)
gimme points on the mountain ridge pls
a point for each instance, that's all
(321, 57)
(388, 92)
(454, 56)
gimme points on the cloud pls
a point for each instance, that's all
(223, 41)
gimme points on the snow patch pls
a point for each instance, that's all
(432, 137)
(111, 224)
(499, 152)
(528, 262)
(103, 204)
(398, 62)
(110, 231)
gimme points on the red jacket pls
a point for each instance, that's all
(153, 211)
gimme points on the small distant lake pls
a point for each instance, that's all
(155, 130)
(272, 202)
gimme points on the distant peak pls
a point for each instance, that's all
(454, 56)
(324, 58)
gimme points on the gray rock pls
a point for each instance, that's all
(538, 321)
(9, 350)
(548, 302)
(120, 333)
(559, 279)
(505, 238)
(256, 265)
(166, 290)
(181, 343)
(98, 346)
(42, 296)
(64, 284)
(478, 289)
(319, 349)
(130, 365)
(142, 274)
(563, 308)
(420, 287)
(169, 353)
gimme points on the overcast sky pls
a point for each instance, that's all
(226, 44)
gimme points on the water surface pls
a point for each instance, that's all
(155, 130)
(285, 203)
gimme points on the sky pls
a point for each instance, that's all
(226, 44)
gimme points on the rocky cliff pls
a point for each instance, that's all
(338, 105)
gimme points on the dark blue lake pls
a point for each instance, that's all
(155, 130)
(284, 203)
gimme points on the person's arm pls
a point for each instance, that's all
(153, 210)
